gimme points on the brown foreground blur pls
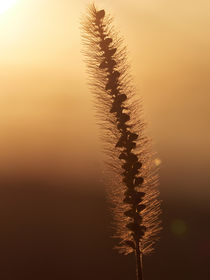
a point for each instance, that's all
(52, 231)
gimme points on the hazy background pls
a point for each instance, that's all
(54, 215)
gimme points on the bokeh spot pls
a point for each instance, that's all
(157, 161)
(178, 227)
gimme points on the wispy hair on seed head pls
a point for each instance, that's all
(134, 181)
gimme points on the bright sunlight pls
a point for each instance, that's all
(6, 4)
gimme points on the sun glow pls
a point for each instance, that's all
(5, 5)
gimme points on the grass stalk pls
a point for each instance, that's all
(134, 192)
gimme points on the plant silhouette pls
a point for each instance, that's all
(135, 195)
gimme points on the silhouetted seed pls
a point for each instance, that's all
(103, 36)
(119, 144)
(129, 213)
(139, 181)
(124, 117)
(129, 192)
(130, 244)
(131, 145)
(111, 52)
(128, 200)
(135, 198)
(129, 184)
(140, 231)
(134, 227)
(141, 207)
(116, 74)
(138, 218)
(132, 157)
(110, 85)
(115, 91)
(131, 226)
(121, 141)
(133, 136)
(138, 197)
(122, 126)
(111, 63)
(134, 172)
(126, 166)
(122, 156)
(137, 165)
(121, 98)
(131, 173)
(103, 65)
(116, 108)
(113, 77)
(139, 235)
(100, 14)
(104, 44)
(119, 113)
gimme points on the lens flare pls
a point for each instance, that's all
(6, 4)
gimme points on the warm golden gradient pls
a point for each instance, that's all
(5, 5)
(46, 116)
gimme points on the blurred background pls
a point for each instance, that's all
(54, 215)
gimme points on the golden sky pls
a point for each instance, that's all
(46, 115)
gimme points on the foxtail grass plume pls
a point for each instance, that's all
(135, 195)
